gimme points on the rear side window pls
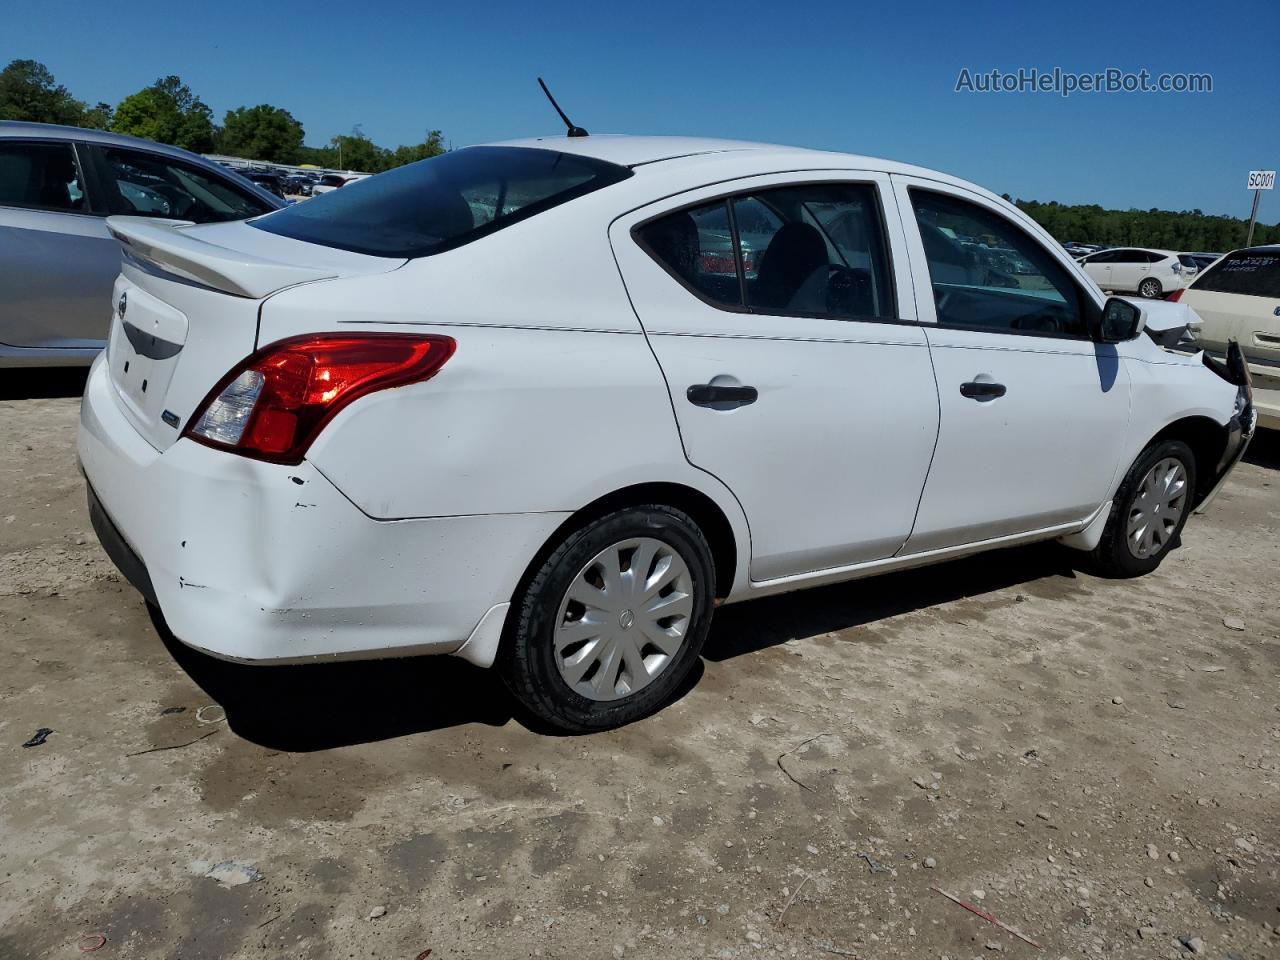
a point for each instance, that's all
(43, 176)
(810, 250)
(1253, 273)
(989, 274)
(444, 202)
(151, 185)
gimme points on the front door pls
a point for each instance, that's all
(796, 373)
(1033, 412)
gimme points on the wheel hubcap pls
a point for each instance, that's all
(1156, 509)
(623, 619)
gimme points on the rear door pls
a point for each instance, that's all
(140, 183)
(1128, 268)
(1033, 413)
(57, 260)
(782, 316)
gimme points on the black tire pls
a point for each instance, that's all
(528, 659)
(1150, 288)
(1114, 556)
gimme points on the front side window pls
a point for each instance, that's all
(42, 176)
(989, 274)
(811, 250)
(1253, 273)
(151, 185)
(441, 203)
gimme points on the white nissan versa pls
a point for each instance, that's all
(543, 404)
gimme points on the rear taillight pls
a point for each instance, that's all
(1175, 296)
(274, 404)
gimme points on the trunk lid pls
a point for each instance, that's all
(185, 309)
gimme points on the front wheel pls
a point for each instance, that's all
(1149, 511)
(1150, 288)
(613, 621)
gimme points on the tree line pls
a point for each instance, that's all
(168, 111)
(1185, 230)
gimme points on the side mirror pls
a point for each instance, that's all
(1119, 321)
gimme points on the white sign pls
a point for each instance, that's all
(1262, 179)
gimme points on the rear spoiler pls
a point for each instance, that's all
(168, 247)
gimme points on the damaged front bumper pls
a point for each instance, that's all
(1243, 423)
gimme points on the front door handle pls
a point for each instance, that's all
(982, 390)
(721, 397)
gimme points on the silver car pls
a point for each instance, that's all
(57, 260)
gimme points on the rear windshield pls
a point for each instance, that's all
(438, 204)
(1255, 273)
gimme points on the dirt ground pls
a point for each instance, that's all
(1094, 763)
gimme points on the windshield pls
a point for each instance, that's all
(441, 203)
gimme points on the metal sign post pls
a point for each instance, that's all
(1259, 180)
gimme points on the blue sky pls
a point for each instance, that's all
(877, 79)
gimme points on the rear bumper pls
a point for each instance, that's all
(259, 562)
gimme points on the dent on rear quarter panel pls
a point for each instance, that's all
(551, 399)
(516, 421)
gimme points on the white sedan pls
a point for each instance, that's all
(545, 404)
(1148, 273)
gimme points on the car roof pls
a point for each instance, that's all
(638, 151)
(54, 131)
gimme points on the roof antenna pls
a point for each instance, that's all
(573, 131)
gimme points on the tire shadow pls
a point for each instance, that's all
(319, 706)
(1264, 449)
(302, 708)
(757, 624)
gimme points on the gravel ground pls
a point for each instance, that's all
(1094, 763)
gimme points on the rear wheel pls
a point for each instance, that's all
(1149, 511)
(1150, 288)
(613, 621)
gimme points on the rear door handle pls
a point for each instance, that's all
(981, 390)
(721, 397)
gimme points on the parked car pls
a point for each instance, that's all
(1148, 273)
(1238, 299)
(298, 185)
(354, 437)
(57, 258)
(328, 182)
(268, 180)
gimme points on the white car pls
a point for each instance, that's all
(332, 181)
(1148, 273)
(1238, 299)
(545, 404)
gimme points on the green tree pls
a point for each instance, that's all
(1162, 229)
(358, 152)
(263, 132)
(167, 112)
(98, 116)
(29, 92)
(431, 146)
